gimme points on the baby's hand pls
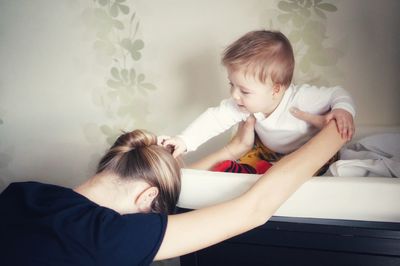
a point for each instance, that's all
(178, 145)
(161, 139)
(344, 122)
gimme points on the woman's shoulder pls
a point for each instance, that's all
(34, 186)
(26, 186)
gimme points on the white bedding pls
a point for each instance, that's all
(375, 155)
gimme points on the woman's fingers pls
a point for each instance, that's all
(318, 121)
(243, 140)
(248, 125)
(344, 120)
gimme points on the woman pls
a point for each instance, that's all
(120, 216)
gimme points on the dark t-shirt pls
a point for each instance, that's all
(44, 224)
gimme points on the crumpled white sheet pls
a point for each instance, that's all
(376, 155)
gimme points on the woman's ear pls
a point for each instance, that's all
(146, 198)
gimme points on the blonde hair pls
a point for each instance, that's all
(136, 155)
(264, 54)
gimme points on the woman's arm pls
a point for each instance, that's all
(241, 143)
(201, 228)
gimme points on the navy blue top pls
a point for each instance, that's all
(44, 224)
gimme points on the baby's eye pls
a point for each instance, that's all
(244, 92)
(231, 87)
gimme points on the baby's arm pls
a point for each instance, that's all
(241, 143)
(211, 123)
(336, 101)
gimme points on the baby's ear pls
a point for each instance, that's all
(276, 88)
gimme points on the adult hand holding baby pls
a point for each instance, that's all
(344, 120)
(243, 140)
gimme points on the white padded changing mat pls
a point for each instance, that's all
(349, 198)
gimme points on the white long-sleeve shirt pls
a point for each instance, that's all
(280, 131)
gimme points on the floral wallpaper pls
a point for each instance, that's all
(317, 54)
(85, 70)
(123, 96)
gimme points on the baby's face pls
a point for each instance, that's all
(252, 95)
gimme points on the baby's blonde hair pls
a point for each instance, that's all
(264, 54)
(136, 155)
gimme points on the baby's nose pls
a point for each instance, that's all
(235, 94)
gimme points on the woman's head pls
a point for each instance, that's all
(136, 156)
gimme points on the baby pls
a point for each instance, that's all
(260, 69)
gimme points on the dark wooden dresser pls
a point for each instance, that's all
(288, 241)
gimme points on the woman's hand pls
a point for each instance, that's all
(344, 120)
(241, 143)
(243, 140)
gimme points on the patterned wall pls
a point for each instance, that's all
(75, 73)
(123, 97)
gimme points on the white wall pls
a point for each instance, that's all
(54, 98)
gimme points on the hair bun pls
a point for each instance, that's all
(134, 140)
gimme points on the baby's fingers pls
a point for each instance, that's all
(169, 142)
(161, 140)
(178, 151)
(351, 134)
(345, 134)
(341, 127)
(347, 130)
(350, 131)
